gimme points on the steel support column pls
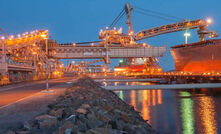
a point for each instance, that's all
(4, 68)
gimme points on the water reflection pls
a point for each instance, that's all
(115, 83)
(140, 98)
(170, 111)
(133, 99)
(127, 83)
(207, 114)
(145, 105)
(153, 97)
(105, 84)
(159, 96)
(121, 95)
(187, 113)
(147, 98)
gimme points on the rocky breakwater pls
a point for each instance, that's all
(86, 108)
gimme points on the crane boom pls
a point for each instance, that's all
(117, 37)
(180, 26)
(128, 10)
(201, 25)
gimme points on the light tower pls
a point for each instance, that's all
(186, 34)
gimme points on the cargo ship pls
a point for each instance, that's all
(203, 56)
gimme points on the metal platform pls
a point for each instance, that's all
(165, 86)
(11, 67)
(89, 52)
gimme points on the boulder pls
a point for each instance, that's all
(91, 116)
(120, 124)
(94, 124)
(102, 131)
(125, 118)
(81, 111)
(71, 118)
(22, 132)
(82, 127)
(46, 121)
(68, 131)
(27, 126)
(57, 113)
(9, 132)
(65, 128)
(85, 106)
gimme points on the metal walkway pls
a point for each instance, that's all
(164, 86)
(89, 52)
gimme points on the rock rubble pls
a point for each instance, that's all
(86, 108)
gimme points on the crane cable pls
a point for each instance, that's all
(3, 32)
(88, 42)
(146, 12)
(116, 20)
(157, 14)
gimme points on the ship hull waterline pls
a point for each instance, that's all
(198, 57)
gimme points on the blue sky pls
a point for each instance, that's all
(81, 20)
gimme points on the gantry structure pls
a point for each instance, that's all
(32, 56)
(24, 57)
(116, 44)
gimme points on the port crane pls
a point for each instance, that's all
(114, 36)
(24, 56)
(117, 37)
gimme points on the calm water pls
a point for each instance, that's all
(168, 111)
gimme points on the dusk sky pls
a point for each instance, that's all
(80, 21)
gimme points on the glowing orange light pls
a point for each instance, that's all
(148, 99)
(207, 114)
(144, 44)
(159, 96)
(133, 99)
(209, 20)
(2, 37)
(153, 97)
(103, 69)
(145, 107)
(34, 53)
(115, 83)
(127, 83)
(44, 36)
(12, 36)
(131, 32)
(119, 69)
(74, 44)
(105, 84)
(61, 66)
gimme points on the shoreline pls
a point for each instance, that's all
(87, 108)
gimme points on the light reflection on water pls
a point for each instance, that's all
(179, 111)
(207, 114)
(186, 109)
